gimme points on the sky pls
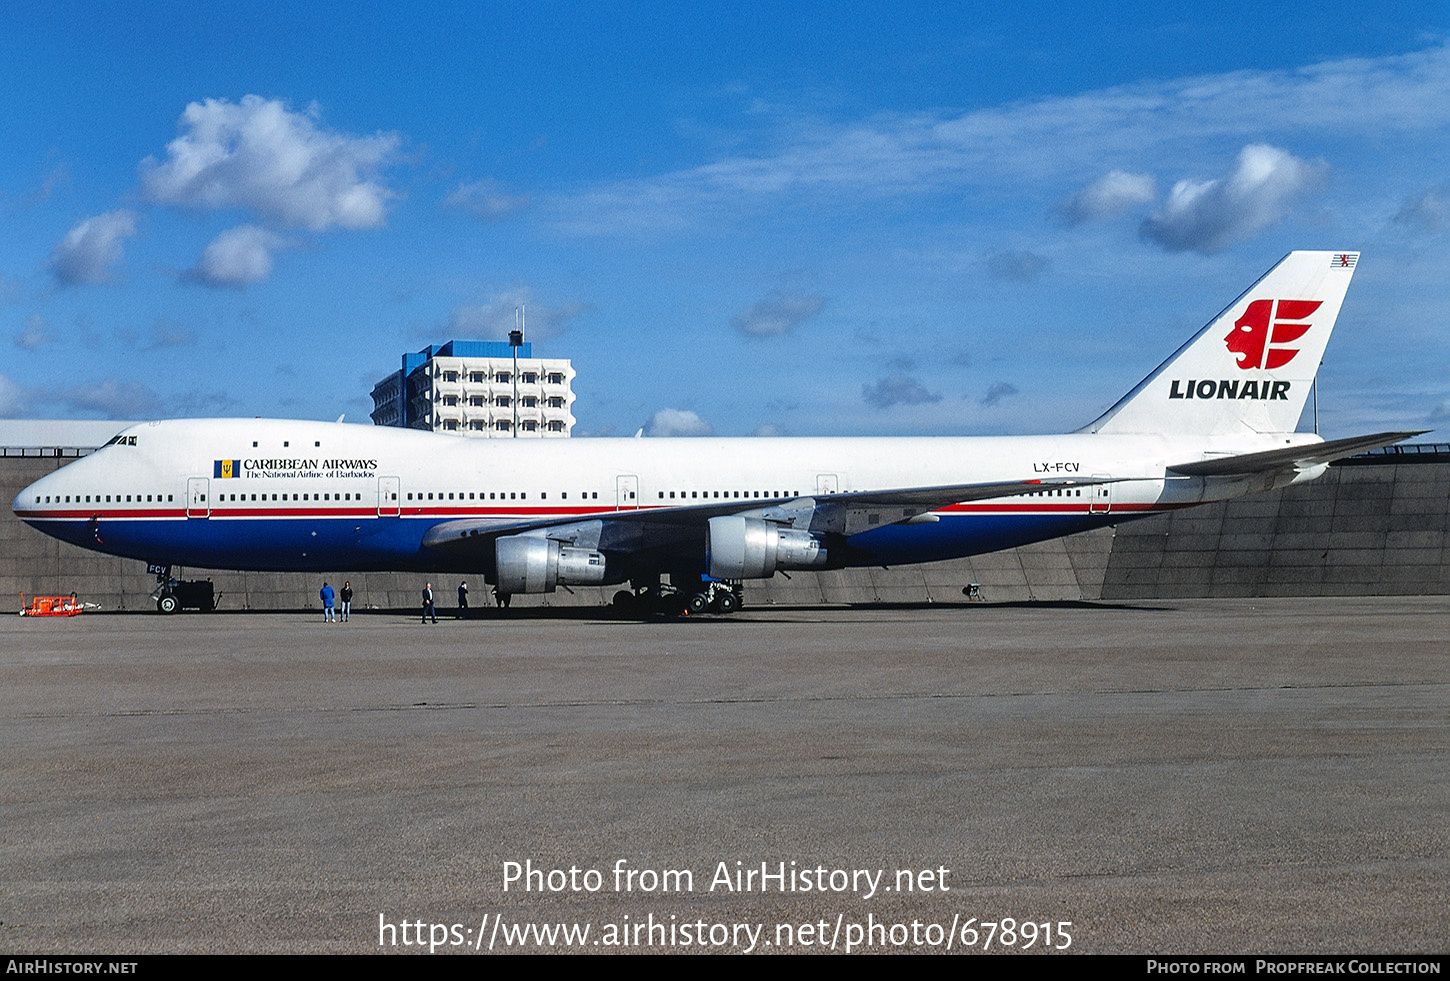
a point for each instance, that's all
(744, 219)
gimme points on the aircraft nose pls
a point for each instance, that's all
(25, 500)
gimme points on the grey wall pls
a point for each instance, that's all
(1358, 530)
(1378, 529)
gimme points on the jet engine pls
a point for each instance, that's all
(749, 548)
(530, 564)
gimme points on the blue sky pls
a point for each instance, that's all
(807, 219)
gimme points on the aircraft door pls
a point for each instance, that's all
(388, 495)
(827, 483)
(1102, 496)
(626, 489)
(197, 505)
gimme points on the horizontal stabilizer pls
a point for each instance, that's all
(1296, 457)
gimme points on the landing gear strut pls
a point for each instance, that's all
(715, 596)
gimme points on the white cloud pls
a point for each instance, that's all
(260, 156)
(897, 389)
(778, 313)
(486, 199)
(237, 257)
(12, 398)
(1018, 266)
(114, 400)
(1430, 211)
(90, 249)
(1046, 140)
(1115, 193)
(1210, 215)
(493, 320)
(768, 430)
(34, 334)
(677, 422)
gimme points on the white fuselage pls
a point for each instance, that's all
(273, 494)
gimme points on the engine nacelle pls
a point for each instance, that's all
(529, 564)
(749, 548)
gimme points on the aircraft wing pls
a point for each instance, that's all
(844, 513)
(1290, 457)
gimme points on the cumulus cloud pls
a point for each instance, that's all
(997, 393)
(486, 200)
(677, 422)
(768, 429)
(493, 320)
(259, 156)
(237, 258)
(90, 249)
(1430, 211)
(35, 333)
(897, 390)
(778, 313)
(1210, 215)
(1114, 193)
(1016, 266)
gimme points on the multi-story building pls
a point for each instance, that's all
(471, 388)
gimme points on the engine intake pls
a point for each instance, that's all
(749, 548)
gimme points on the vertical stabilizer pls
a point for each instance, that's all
(1250, 370)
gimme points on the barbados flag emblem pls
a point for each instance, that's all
(225, 468)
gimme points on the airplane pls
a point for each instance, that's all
(1215, 421)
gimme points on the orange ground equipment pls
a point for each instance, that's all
(50, 606)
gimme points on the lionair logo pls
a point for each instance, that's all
(1259, 336)
(1261, 340)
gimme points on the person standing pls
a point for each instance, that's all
(463, 599)
(428, 610)
(327, 608)
(346, 598)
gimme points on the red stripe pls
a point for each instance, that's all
(541, 512)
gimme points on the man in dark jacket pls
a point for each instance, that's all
(428, 610)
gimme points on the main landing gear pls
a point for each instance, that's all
(716, 596)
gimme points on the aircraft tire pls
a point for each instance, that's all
(697, 603)
(727, 602)
(167, 604)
